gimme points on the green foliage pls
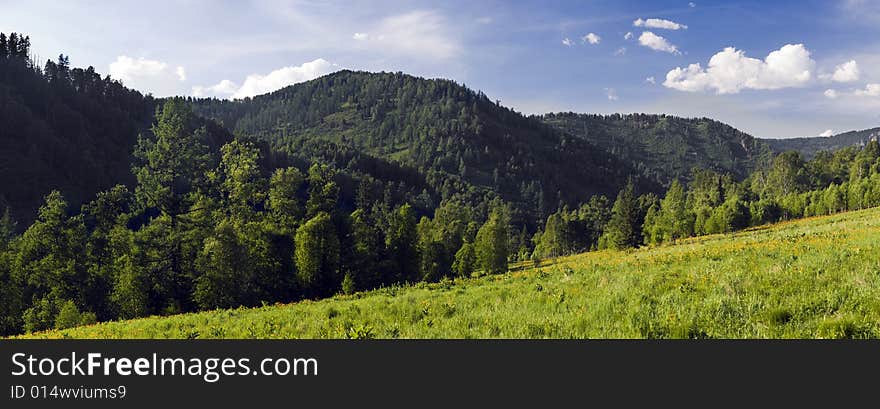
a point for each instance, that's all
(491, 243)
(465, 260)
(812, 278)
(624, 227)
(317, 255)
(69, 316)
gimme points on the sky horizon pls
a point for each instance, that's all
(771, 69)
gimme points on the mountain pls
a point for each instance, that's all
(808, 147)
(665, 147)
(458, 142)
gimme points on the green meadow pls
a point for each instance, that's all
(811, 278)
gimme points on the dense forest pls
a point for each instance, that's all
(459, 144)
(666, 148)
(809, 147)
(349, 182)
(63, 128)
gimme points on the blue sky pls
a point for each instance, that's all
(770, 68)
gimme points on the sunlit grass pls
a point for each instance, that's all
(813, 278)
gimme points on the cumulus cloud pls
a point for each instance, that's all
(830, 93)
(658, 43)
(567, 42)
(257, 84)
(591, 38)
(871, 90)
(827, 133)
(692, 4)
(650, 80)
(223, 88)
(620, 51)
(628, 35)
(151, 76)
(659, 23)
(846, 72)
(360, 36)
(730, 71)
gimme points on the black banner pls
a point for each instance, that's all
(415, 373)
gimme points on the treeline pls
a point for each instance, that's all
(206, 229)
(789, 188)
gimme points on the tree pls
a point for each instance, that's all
(225, 280)
(671, 221)
(400, 241)
(366, 249)
(50, 263)
(465, 260)
(624, 227)
(491, 244)
(240, 183)
(173, 163)
(317, 255)
(323, 191)
(172, 171)
(552, 241)
(285, 207)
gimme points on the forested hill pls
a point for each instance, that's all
(67, 129)
(666, 147)
(458, 140)
(62, 128)
(809, 147)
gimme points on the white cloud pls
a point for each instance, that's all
(871, 90)
(827, 133)
(567, 42)
(257, 84)
(650, 80)
(224, 88)
(591, 38)
(830, 93)
(692, 4)
(628, 35)
(611, 94)
(846, 72)
(659, 23)
(360, 36)
(151, 76)
(421, 34)
(730, 71)
(658, 43)
(620, 51)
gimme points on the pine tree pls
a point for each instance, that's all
(624, 228)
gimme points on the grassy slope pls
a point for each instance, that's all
(818, 277)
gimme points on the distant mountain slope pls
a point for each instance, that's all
(459, 140)
(808, 147)
(667, 147)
